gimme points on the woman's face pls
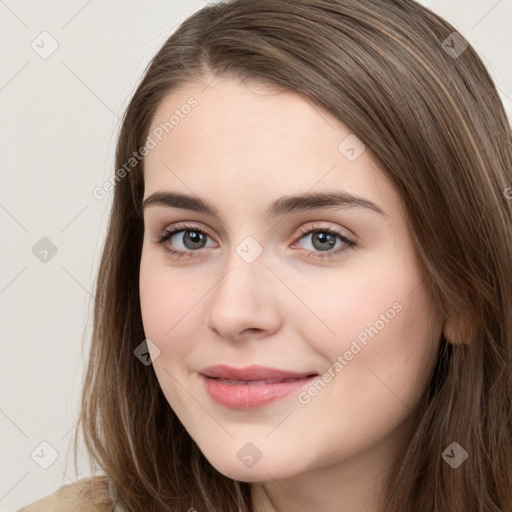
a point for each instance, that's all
(342, 313)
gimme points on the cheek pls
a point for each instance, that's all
(377, 368)
(342, 309)
(167, 300)
(155, 293)
(383, 297)
(386, 346)
(380, 325)
(167, 306)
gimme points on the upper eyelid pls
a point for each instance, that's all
(185, 227)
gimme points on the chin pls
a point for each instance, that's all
(262, 470)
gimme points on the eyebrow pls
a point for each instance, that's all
(282, 206)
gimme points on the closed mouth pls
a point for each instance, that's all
(234, 382)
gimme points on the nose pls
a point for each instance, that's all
(243, 304)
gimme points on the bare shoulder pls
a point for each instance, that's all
(89, 494)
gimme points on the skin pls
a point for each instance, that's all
(242, 147)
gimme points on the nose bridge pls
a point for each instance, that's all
(246, 274)
(243, 297)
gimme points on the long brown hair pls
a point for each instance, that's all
(407, 86)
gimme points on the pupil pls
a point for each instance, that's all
(321, 237)
(193, 236)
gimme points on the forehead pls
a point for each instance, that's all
(238, 140)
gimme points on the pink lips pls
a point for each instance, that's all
(252, 386)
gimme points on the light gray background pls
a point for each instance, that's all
(59, 121)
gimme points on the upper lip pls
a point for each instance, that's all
(253, 372)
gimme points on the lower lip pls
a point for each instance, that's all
(247, 396)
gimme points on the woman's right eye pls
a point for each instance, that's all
(190, 236)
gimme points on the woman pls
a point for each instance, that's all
(371, 374)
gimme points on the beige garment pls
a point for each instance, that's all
(91, 494)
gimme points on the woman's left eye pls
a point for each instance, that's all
(325, 238)
(321, 238)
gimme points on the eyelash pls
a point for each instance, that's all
(349, 243)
